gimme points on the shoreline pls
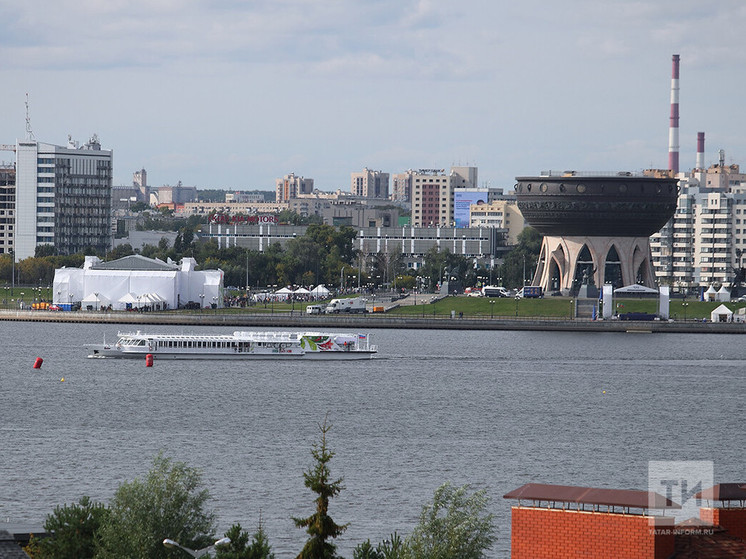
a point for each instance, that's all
(285, 320)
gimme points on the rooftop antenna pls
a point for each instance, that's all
(29, 132)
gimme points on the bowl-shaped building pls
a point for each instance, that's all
(596, 228)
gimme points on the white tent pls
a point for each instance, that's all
(635, 289)
(320, 291)
(126, 299)
(175, 285)
(302, 291)
(721, 314)
(95, 300)
(723, 295)
(284, 291)
(710, 294)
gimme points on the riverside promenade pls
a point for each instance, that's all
(297, 320)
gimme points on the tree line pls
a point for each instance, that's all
(323, 255)
(171, 503)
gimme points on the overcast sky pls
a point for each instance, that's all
(234, 94)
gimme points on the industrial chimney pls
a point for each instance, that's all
(700, 150)
(673, 129)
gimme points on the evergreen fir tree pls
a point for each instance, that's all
(320, 526)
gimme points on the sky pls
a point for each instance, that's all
(233, 94)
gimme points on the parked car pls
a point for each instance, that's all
(54, 308)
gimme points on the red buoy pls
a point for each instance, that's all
(149, 360)
(38, 362)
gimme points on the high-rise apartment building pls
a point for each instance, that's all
(402, 186)
(7, 206)
(140, 181)
(370, 184)
(432, 194)
(291, 186)
(703, 242)
(63, 197)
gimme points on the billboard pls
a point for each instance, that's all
(462, 199)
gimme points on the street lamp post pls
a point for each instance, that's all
(492, 308)
(201, 301)
(247, 271)
(517, 298)
(198, 552)
(571, 308)
(685, 304)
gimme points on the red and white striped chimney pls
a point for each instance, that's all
(700, 150)
(673, 129)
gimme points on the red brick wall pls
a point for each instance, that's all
(733, 520)
(539, 533)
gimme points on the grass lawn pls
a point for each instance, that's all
(485, 307)
(551, 307)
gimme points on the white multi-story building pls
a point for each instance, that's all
(500, 214)
(63, 197)
(402, 186)
(370, 184)
(291, 186)
(702, 243)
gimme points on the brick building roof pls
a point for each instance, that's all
(627, 498)
(724, 492)
(718, 545)
(10, 548)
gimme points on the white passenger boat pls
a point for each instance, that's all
(239, 345)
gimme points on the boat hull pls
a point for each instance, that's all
(104, 352)
(239, 346)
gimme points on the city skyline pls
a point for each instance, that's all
(234, 96)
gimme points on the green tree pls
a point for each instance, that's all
(240, 548)
(523, 256)
(169, 503)
(120, 251)
(137, 207)
(44, 250)
(320, 526)
(456, 524)
(72, 531)
(390, 549)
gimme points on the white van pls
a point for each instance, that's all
(315, 309)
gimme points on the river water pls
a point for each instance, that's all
(491, 409)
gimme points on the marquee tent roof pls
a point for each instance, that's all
(135, 262)
(127, 298)
(99, 298)
(635, 288)
(721, 311)
(320, 290)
